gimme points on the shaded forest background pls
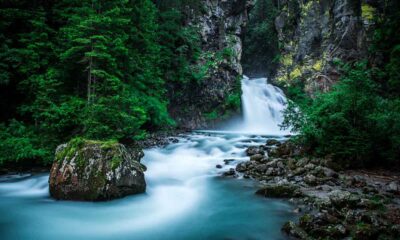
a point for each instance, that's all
(109, 69)
(97, 69)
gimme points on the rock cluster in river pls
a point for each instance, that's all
(336, 205)
(93, 170)
(156, 139)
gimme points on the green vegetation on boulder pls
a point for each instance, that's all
(95, 170)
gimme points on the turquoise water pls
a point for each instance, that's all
(186, 199)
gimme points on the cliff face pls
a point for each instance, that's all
(314, 34)
(220, 23)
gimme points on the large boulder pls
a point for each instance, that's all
(94, 170)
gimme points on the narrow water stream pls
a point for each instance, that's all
(186, 196)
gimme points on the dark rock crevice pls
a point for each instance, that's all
(220, 24)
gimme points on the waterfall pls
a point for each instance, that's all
(262, 106)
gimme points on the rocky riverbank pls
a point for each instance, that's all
(158, 139)
(332, 205)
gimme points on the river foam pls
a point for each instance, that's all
(186, 196)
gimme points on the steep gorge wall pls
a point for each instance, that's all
(220, 24)
(315, 34)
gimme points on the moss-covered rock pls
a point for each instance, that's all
(313, 35)
(293, 230)
(364, 231)
(96, 170)
(341, 199)
(279, 191)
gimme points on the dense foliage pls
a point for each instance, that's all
(98, 69)
(357, 123)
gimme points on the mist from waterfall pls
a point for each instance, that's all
(262, 106)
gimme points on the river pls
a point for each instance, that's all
(186, 197)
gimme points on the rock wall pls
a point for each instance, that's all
(220, 24)
(314, 34)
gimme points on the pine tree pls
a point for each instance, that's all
(144, 72)
(97, 35)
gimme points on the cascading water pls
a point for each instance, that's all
(186, 196)
(262, 105)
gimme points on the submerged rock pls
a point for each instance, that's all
(94, 170)
(228, 161)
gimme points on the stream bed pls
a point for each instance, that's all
(186, 198)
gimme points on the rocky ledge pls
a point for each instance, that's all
(94, 170)
(334, 205)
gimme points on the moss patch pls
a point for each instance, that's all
(295, 73)
(104, 145)
(116, 161)
(367, 12)
(213, 115)
(70, 150)
(305, 221)
(76, 146)
(317, 66)
(287, 60)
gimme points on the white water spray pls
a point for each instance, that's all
(262, 106)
